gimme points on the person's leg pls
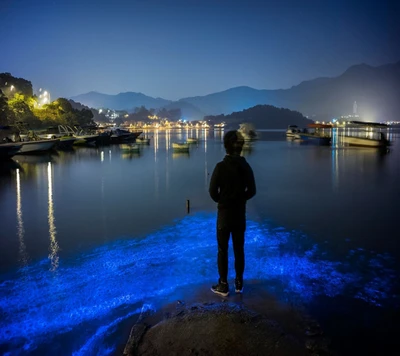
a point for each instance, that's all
(223, 243)
(238, 249)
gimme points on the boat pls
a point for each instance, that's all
(119, 135)
(9, 149)
(180, 146)
(37, 146)
(82, 138)
(66, 142)
(367, 137)
(192, 140)
(316, 134)
(292, 131)
(142, 140)
(248, 132)
(129, 147)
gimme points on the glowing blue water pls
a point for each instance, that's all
(91, 294)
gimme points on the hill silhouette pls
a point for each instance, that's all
(375, 89)
(263, 117)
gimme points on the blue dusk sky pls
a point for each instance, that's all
(179, 48)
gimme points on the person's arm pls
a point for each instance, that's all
(250, 184)
(214, 188)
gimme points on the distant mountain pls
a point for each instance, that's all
(262, 117)
(122, 101)
(375, 89)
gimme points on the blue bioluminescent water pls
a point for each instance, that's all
(90, 294)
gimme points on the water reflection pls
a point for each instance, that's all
(23, 257)
(32, 164)
(131, 155)
(54, 248)
(176, 155)
(155, 145)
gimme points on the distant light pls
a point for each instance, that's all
(12, 87)
(100, 111)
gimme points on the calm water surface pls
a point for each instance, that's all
(92, 237)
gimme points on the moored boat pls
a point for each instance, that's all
(192, 140)
(369, 138)
(292, 131)
(37, 146)
(119, 135)
(316, 134)
(129, 147)
(82, 138)
(142, 140)
(180, 146)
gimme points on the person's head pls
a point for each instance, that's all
(233, 142)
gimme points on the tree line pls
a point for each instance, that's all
(18, 105)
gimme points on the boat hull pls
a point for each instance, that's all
(37, 146)
(315, 139)
(180, 147)
(363, 142)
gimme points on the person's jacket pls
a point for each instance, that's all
(232, 183)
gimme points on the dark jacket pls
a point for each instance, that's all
(232, 184)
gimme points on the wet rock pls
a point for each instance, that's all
(220, 329)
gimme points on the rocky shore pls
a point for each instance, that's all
(249, 324)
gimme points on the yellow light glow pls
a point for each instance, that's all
(20, 224)
(54, 248)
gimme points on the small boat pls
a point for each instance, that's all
(37, 146)
(369, 138)
(66, 142)
(82, 138)
(292, 131)
(192, 140)
(142, 140)
(129, 147)
(316, 134)
(248, 132)
(180, 146)
(119, 135)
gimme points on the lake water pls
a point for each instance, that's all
(90, 238)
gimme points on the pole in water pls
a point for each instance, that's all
(188, 206)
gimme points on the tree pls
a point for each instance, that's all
(21, 112)
(4, 110)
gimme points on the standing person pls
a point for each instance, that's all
(232, 184)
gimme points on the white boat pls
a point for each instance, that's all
(366, 142)
(192, 140)
(37, 146)
(81, 137)
(293, 131)
(180, 146)
(248, 132)
(368, 138)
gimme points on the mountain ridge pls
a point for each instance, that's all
(322, 97)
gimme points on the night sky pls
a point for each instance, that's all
(176, 48)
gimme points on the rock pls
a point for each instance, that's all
(217, 329)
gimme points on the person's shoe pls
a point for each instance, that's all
(238, 285)
(221, 288)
